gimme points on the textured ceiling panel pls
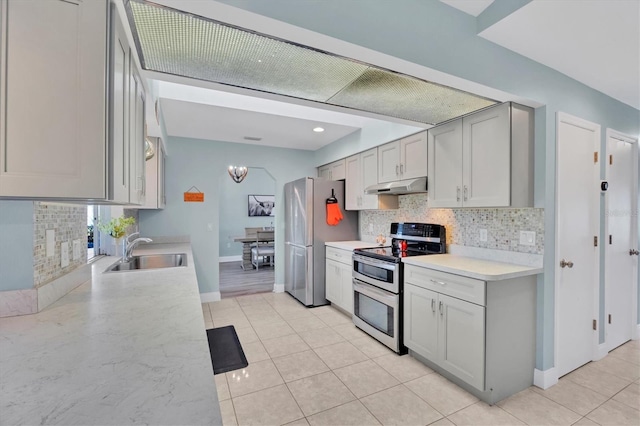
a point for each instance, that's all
(181, 44)
(174, 42)
(401, 96)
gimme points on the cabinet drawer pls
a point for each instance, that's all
(339, 255)
(457, 286)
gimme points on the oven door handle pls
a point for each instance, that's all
(374, 262)
(381, 296)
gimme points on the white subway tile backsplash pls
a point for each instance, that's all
(503, 225)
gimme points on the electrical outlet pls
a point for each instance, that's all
(527, 238)
(51, 242)
(77, 249)
(371, 227)
(483, 235)
(64, 254)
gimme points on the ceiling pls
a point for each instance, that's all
(586, 40)
(596, 42)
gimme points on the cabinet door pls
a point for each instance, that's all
(421, 321)
(389, 162)
(52, 113)
(353, 185)
(461, 339)
(333, 292)
(119, 112)
(413, 156)
(487, 158)
(338, 170)
(325, 172)
(137, 184)
(162, 157)
(346, 287)
(369, 173)
(444, 174)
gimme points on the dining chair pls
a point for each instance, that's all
(263, 249)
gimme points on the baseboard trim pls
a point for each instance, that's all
(226, 259)
(601, 352)
(545, 379)
(213, 296)
(278, 288)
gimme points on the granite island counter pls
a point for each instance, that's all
(122, 348)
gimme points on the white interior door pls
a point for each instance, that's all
(620, 260)
(576, 260)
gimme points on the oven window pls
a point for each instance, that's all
(374, 272)
(374, 313)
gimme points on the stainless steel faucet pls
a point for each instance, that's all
(131, 245)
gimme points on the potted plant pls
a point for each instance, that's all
(117, 228)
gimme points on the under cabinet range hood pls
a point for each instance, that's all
(176, 42)
(408, 186)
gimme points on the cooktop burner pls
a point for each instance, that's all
(409, 239)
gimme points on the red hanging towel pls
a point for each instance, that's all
(334, 215)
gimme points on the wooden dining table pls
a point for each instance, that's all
(246, 248)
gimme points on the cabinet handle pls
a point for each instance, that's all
(433, 305)
(440, 308)
(397, 170)
(465, 193)
(438, 282)
(401, 168)
(458, 193)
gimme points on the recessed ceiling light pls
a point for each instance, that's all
(318, 129)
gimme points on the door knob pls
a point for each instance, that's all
(566, 263)
(633, 252)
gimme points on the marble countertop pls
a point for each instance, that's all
(349, 245)
(481, 269)
(122, 348)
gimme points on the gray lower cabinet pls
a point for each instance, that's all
(479, 334)
(338, 285)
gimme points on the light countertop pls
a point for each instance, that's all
(122, 348)
(349, 245)
(481, 269)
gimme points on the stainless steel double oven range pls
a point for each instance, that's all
(378, 279)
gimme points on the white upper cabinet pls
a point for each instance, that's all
(154, 177)
(333, 171)
(484, 159)
(137, 178)
(444, 181)
(119, 115)
(361, 172)
(53, 65)
(405, 158)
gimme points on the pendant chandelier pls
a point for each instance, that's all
(238, 173)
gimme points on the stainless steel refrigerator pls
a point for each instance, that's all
(306, 231)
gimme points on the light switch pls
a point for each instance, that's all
(77, 249)
(64, 254)
(527, 238)
(50, 242)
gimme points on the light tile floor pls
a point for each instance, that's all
(312, 366)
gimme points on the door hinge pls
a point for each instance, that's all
(595, 157)
(609, 318)
(595, 324)
(611, 159)
(595, 241)
(610, 239)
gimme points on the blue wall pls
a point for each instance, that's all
(437, 36)
(16, 245)
(234, 215)
(203, 163)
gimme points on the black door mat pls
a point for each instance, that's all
(226, 351)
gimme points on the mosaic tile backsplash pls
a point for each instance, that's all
(503, 225)
(70, 223)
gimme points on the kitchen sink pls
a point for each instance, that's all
(150, 261)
